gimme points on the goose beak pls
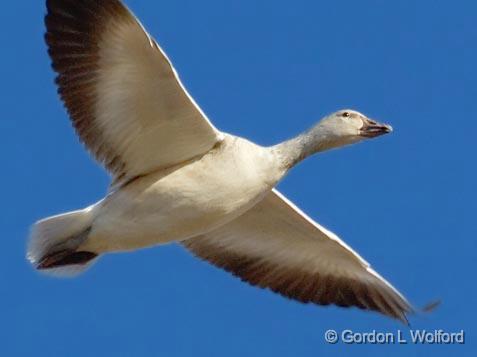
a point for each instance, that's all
(372, 129)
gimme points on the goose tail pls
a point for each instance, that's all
(54, 242)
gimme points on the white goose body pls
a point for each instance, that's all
(177, 178)
(185, 200)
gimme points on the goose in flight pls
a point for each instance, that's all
(176, 178)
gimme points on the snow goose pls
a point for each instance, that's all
(176, 178)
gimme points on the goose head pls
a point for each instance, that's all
(346, 127)
(341, 128)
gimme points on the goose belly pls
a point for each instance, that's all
(189, 201)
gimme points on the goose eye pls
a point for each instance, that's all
(345, 115)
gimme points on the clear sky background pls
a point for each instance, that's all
(265, 70)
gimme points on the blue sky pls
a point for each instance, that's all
(264, 70)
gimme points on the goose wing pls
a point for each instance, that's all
(121, 91)
(276, 246)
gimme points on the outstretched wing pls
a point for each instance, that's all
(122, 93)
(276, 246)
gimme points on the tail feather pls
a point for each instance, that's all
(68, 271)
(65, 257)
(54, 241)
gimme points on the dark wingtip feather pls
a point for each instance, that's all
(431, 306)
(74, 30)
(303, 286)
